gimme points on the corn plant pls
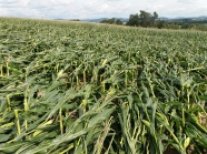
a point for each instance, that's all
(70, 87)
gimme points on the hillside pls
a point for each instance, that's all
(201, 19)
(71, 87)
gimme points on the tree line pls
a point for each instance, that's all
(147, 19)
(143, 19)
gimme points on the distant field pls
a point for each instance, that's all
(69, 87)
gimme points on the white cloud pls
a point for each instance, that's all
(100, 8)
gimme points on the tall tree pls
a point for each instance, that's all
(133, 20)
(155, 15)
(144, 19)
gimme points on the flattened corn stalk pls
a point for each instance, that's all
(69, 87)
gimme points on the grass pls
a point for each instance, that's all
(69, 87)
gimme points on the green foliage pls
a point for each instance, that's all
(69, 87)
(144, 19)
(112, 21)
(133, 20)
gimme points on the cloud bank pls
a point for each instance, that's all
(82, 9)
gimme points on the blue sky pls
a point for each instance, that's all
(85, 9)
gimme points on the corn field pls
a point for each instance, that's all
(69, 87)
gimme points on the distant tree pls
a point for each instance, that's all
(155, 15)
(133, 20)
(107, 21)
(119, 22)
(147, 19)
(75, 19)
(112, 21)
(160, 24)
(144, 19)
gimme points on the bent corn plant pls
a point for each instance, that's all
(70, 87)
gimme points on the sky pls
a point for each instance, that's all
(91, 9)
